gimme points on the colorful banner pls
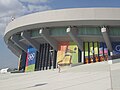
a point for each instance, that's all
(86, 52)
(74, 51)
(31, 58)
(61, 59)
(105, 52)
(91, 49)
(101, 49)
(96, 51)
(67, 53)
(86, 49)
(95, 48)
(105, 49)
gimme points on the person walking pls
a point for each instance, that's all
(59, 68)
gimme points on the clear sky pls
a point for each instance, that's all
(17, 8)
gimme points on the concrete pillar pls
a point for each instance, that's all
(106, 38)
(82, 57)
(45, 34)
(19, 61)
(12, 45)
(27, 37)
(72, 32)
(19, 44)
(14, 51)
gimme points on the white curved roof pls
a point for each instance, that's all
(65, 17)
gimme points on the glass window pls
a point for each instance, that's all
(18, 35)
(61, 31)
(89, 31)
(114, 31)
(35, 33)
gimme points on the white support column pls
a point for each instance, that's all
(27, 37)
(106, 39)
(110, 61)
(72, 32)
(45, 34)
(111, 53)
(19, 61)
(19, 44)
(82, 57)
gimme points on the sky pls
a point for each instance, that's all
(18, 8)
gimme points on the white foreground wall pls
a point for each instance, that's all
(97, 76)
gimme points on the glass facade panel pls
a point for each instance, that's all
(18, 35)
(114, 31)
(35, 33)
(61, 31)
(89, 31)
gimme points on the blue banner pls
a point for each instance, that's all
(31, 59)
(101, 49)
(105, 49)
(31, 55)
(116, 48)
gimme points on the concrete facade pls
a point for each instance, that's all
(65, 17)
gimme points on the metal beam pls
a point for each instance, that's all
(106, 38)
(19, 44)
(45, 34)
(72, 32)
(27, 37)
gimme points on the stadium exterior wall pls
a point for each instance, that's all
(83, 31)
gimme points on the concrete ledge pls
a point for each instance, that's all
(73, 65)
(113, 61)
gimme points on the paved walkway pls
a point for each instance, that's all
(97, 76)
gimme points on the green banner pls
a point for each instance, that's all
(91, 49)
(74, 48)
(86, 49)
(95, 48)
(30, 68)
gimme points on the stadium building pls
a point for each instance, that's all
(68, 36)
